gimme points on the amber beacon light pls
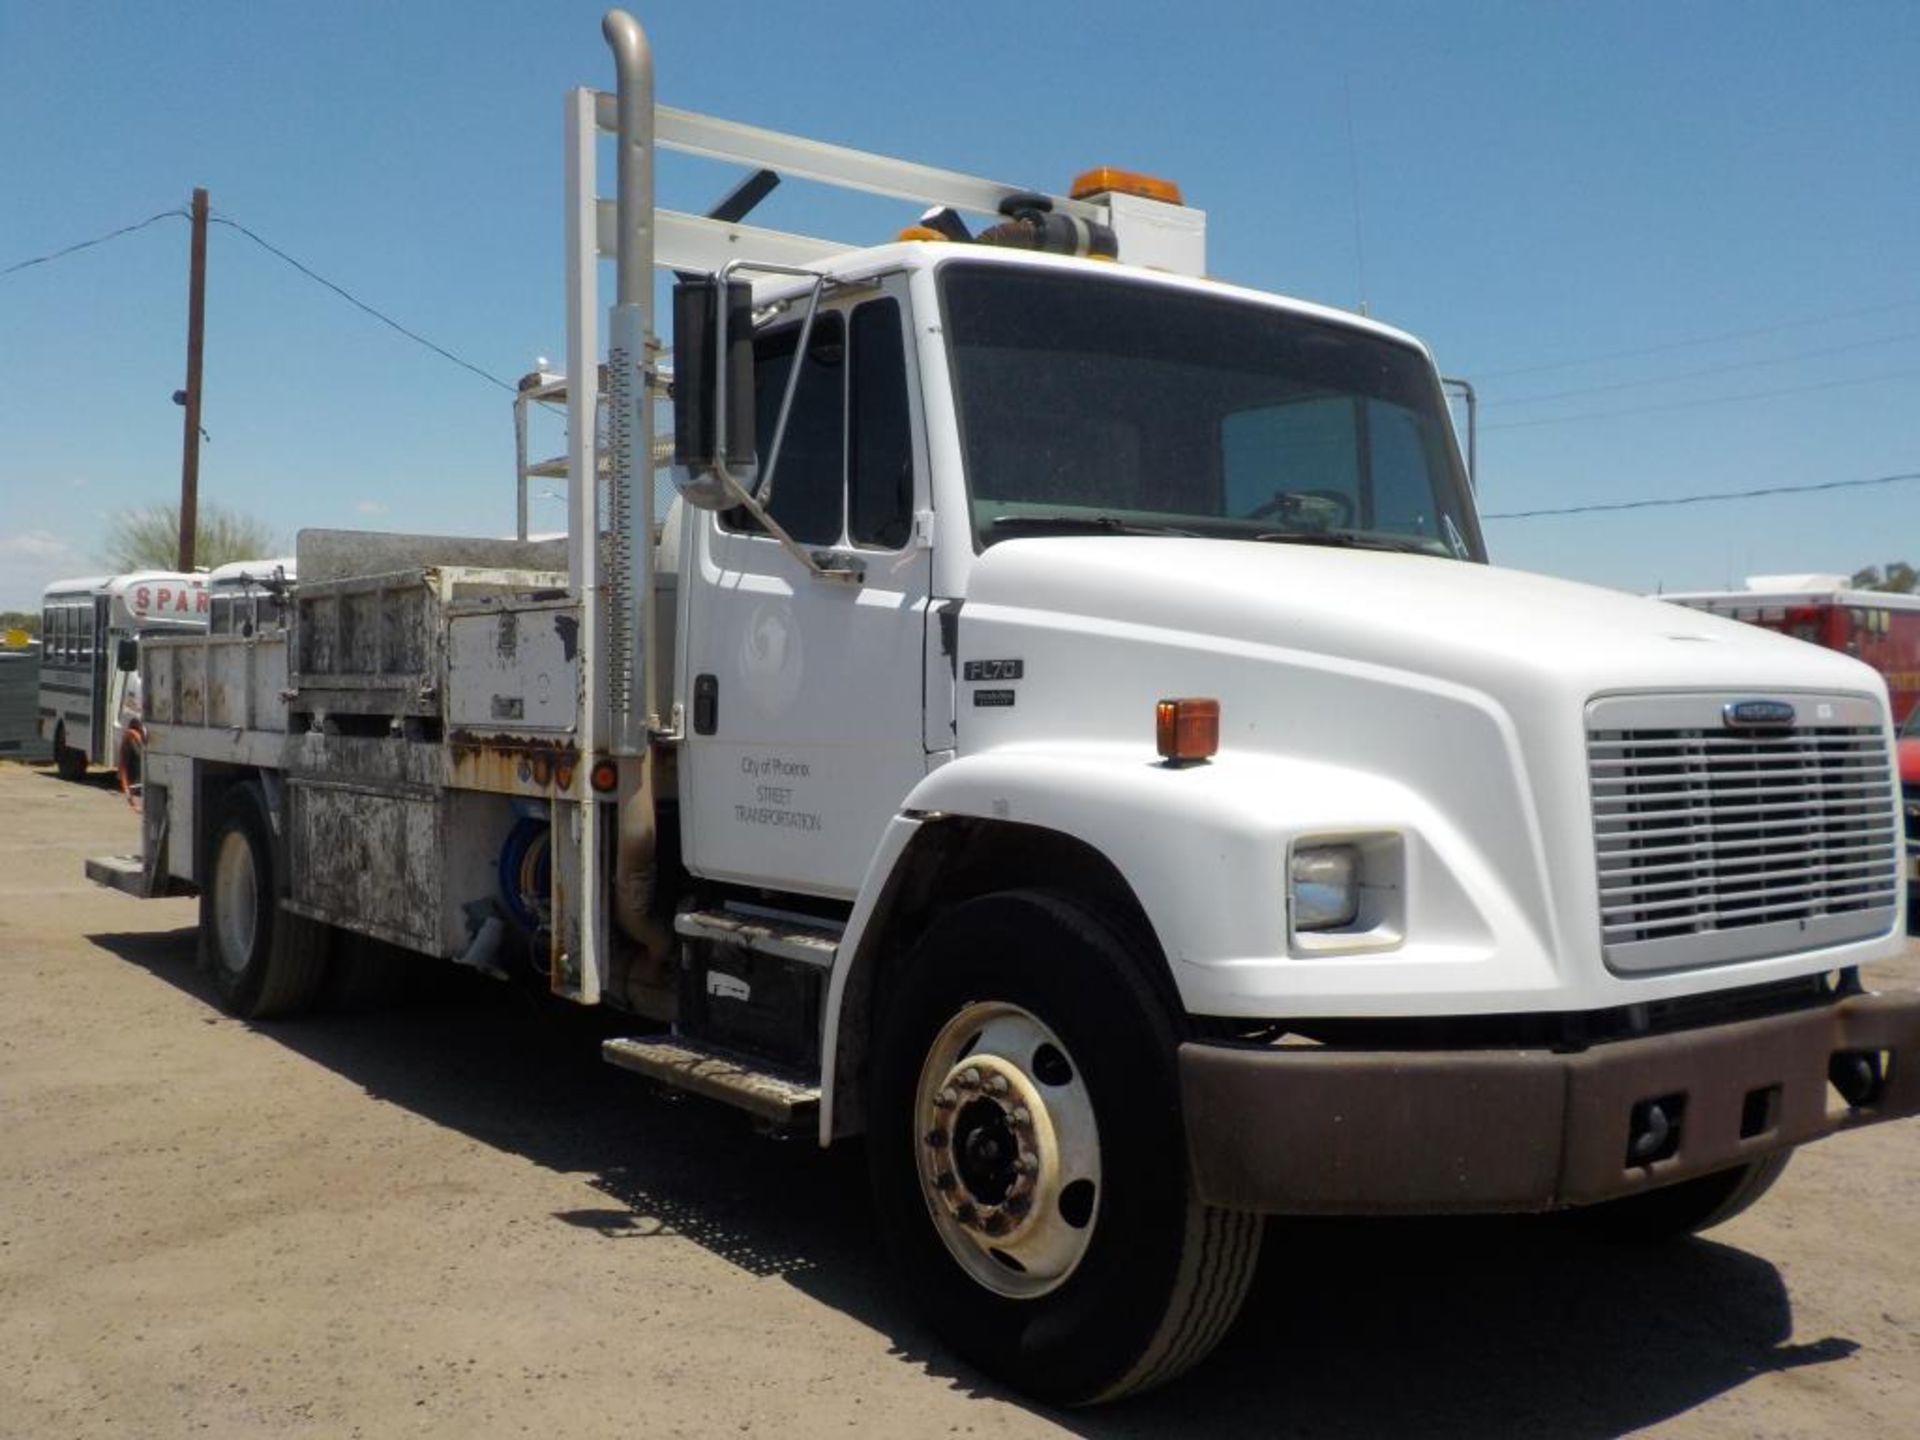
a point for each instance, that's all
(1188, 730)
(1106, 180)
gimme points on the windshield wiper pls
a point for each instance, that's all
(1349, 540)
(1103, 524)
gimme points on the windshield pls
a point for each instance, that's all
(1105, 406)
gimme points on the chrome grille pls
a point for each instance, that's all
(1716, 844)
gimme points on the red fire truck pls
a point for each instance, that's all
(1880, 628)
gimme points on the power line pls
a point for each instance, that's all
(1727, 368)
(311, 274)
(1715, 339)
(1713, 400)
(360, 304)
(1707, 499)
(89, 244)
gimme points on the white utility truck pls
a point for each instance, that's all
(1066, 731)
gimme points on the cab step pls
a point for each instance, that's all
(804, 938)
(781, 1098)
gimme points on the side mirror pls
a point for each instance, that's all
(703, 438)
(126, 654)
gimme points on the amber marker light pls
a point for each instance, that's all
(1105, 180)
(604, 777)
(1188, 730)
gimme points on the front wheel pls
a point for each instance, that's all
(263, 961)
(1029, 1162)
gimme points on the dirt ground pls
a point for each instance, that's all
(449, 1218)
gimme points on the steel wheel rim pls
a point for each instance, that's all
(235, 902)
(1007, 1150)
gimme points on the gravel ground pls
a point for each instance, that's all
(448, 1218)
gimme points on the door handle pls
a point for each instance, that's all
(840, 566)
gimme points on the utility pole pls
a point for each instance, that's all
(196, 334)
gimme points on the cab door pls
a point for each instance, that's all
(803, 694)
(99, 745)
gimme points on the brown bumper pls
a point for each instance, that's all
(1335, 1131)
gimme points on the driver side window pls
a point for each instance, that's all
(844, 473)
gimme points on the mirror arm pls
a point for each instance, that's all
(850, 572)
(764, 486)
(800, 352)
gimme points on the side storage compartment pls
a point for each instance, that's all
(368, 860)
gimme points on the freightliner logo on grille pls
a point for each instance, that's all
(1757, 714)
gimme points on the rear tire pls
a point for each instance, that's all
(263, 961)
(1675, 1211)
(1027, 1034)
(71, 763)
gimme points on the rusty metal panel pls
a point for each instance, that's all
(368, 860)
(156, 683)
(514, 666)
(376, 644)
(542, 767)
(385, 763)
(190, 682)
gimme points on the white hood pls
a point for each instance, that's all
(1449, 700)
(1472, 624)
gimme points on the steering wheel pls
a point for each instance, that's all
(1290, 505)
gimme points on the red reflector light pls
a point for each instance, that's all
(604, 777)
(1188, 730)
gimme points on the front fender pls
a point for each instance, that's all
(1204, 850)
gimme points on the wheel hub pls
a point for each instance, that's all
(990, 1142)
(1008, 1150)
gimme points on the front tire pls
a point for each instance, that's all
(263, 961)
(1029, 1162)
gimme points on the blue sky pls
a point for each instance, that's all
(1591, 203)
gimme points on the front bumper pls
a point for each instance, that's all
(1323, 1130)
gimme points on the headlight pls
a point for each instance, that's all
(1323, 891)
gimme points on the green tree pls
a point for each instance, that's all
(1898, 579)
(20, 620)
(149, 538)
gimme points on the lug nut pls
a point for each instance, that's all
(1022, 1116)
(997, 1084)
(1028, 1163)
(965, 1214)
(944, 1180)
(1017, 1205)
(994, 1224)
(937, 1139)
(969, 1079)
(946, 1099)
